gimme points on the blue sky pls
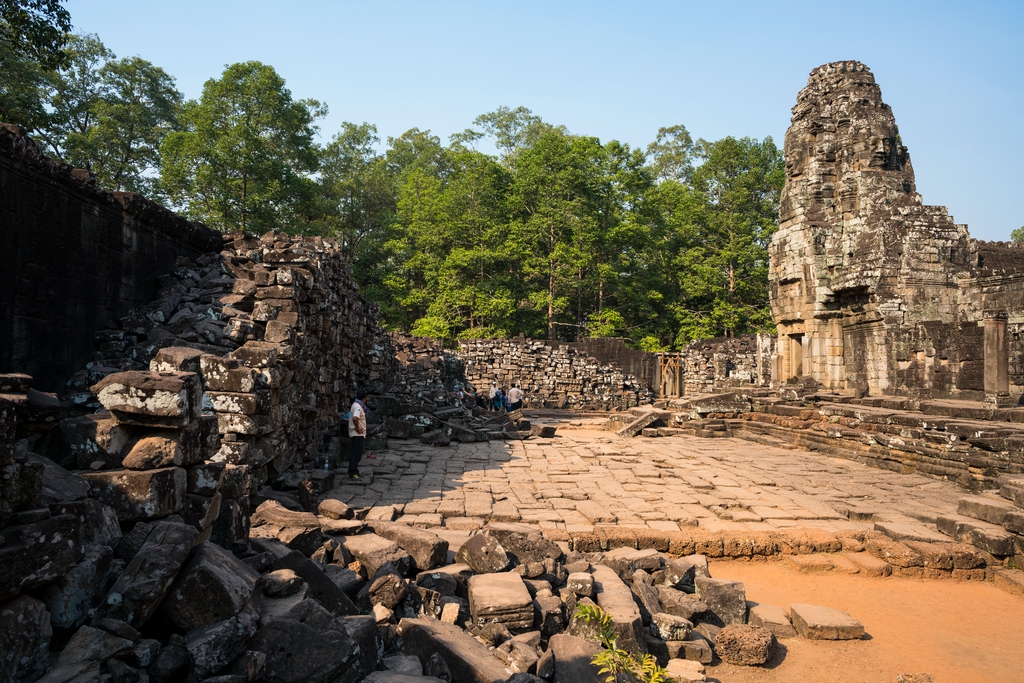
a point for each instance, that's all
(952, 72)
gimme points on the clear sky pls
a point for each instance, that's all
(953, 72)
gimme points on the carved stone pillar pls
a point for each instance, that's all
(997, 358)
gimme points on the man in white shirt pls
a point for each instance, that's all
(515, 398)
(356, 434)
(490, 395)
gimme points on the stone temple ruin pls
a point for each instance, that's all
(172, 435)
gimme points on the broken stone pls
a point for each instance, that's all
(404, 664)
(670, 627)
(468, 659)
(685, 671)
(298, 530)
(137, 593)
(822, 623)
(772, 618)
(501, 598)
(69, 599)
(517, 656)
(572, 660)
(213, 586)
(681, 604)
(215, 645)
(484, 554)
(428, 550)
(388, 589)
(36, 553)
(616, 599)
(137, 495)
(581, 583)
(319, 587)
(335, 509)
(151, 399)
(25, 634)
(308, 646)
(745, 645)
(725, 599)
(92, 644)
(281, 583)
(373, 552)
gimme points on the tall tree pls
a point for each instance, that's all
(35, 29)
(245, 153)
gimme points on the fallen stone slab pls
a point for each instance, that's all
(306, 646)
(986, 508)
(823, 623)
(670, 627)
(213, 586)
(139, 495)
(685, 671)
(94, 645)
(374, 551)
(484, 554)
(468, 659)
(681, 571)
(500, 598)
(745, 645)
(580, 583)
(397, 677)
(215, 645)
(319, 586)
(773, 618)
(297, 530)
(427, 549)
(572, 660)
(725, 599)
(335, 509)
(137, 593)
(681, 604)
(70, 598)
(616, 599)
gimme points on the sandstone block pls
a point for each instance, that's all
(320, 586)
(226, 374)
(581, 583)
(468, 659)
(69, 599)
(215, 645)
(37, 553)
(616, 599)
(93, 645)
(151, 399)
(298, 530)
(484, 554)
(501, 598)
(255, 354)
(139, 494)
(726, 599)
(670, 627)
(373, 552)
(773, 618)
(176, 359)
(681, 604)
(985, 508)
(822, 623)
(572, 659)
(335, 509)
(427, 549)
(25, 634)
(309, 645)
(213, 586)
(137, 593)
(685, 671)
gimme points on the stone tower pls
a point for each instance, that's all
(857, 255)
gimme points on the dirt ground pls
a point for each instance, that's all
(958, 632)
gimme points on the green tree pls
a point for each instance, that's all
(72, 96)
(138, 107)
(21, 89)
(513, 130)
(245, 153)
(35, 29)
(1018, 235)
(672, 154)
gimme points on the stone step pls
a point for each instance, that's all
(902, 531)
(987, 508)
(984, 535)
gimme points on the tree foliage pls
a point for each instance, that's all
(36, 30)
(245, 153)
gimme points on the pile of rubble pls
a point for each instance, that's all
(552, 375)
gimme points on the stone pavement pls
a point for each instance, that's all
(583, 478)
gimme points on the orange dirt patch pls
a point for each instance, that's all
(960, 632)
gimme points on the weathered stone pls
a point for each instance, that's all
(137, 593)
(69, 599)
(25, 634)
(373, 552)
(745, 645)
(822, 623)
(572, 660)
(213, 646)
(308, 646)
(670, 627)
(645, 595)
(298, 530)
(153, 452)
(549, 614)
(725, 599)
(213, 586)
(772, 618)
(59, 485)
(581, 583)
(682, 571)
(319, 586)
(388, 589)
(176, 359)
(334, 509)
(484, 554)
(399, 677)
(92, 644)
(501, 598)
(615, 598)
(149, 398)
(681, 604)
(137, 495)
(468, 659)
(36, 553)
(517, 656)
(77, 442)
(428, 550)
(523, 546)
(281, 583)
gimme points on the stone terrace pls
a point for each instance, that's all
(586, 477)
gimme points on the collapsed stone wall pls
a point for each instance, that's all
(552, 375)
(871, 289)
(100, 254)
(712, 364)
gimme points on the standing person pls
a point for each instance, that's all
(356, 433)
(515, 398)
(490, 395)
(504, 399)
(498, 400)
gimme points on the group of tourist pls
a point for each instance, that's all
(500, 399)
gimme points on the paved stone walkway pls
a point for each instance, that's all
(582, 478)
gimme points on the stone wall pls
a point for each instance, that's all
(872, 290)
(553, 375)
(727, 362)
(73, 257)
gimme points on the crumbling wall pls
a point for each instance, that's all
(73, 257)
(727, 362)
(553, 375)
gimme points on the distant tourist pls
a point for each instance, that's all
(515, 398)
(356, 433)
(490, 395)
(498, 400)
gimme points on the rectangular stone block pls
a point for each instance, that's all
(151, 399)
(226, 374)
(501, 598)
(139, 494)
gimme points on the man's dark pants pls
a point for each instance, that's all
(355, 453)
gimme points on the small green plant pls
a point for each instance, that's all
(619, 665)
